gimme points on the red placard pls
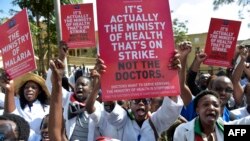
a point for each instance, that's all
(16, 45)
(221, 42)
(78, 25)
(136, 42)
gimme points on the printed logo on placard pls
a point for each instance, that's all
(225, 22)
(77, 7)
(12, 23)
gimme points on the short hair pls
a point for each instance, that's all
(204, 75)
(221, 73)
(43, 120)
(202, 94)
(85, 72)
(22, 125)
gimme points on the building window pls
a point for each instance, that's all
(83, 51)
(71, 52)
(78, 52)
(196, 40)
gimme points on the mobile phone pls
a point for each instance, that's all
(237, 62)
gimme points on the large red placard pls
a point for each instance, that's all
(16, 45)
(136, 42)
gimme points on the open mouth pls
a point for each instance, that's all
(45, 136)
(222, 97)
(141, 112)
(212, 116)
(79, 92)
(29, 95)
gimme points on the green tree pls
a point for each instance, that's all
(41, 12)
(180, 30)
(243, 3)
(36, 10)
(1, 19)
(218, 3)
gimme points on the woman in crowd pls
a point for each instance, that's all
(208, 125)
(13, 128)
(31, 102)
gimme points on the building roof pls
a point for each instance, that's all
(245, 42)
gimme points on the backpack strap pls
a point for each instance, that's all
(154, 129)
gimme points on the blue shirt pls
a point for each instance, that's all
(189, 112)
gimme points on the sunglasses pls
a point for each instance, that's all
(145, 101)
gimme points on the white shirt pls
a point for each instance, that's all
(32, 115)
(70, 123)
(128, 130)
(240, 112)
(2, 97)
(185, 131)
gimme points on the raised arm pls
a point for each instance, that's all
(59, 94)
(236, 76)
(193, 71)
(62, 54)
(95, 74)
(8, 85)
(161, 119)
(55, 115)
(184, 49)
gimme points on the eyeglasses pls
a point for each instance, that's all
(145, 101)
(226, 90)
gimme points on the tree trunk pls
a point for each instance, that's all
(40, 47)
(48, 32)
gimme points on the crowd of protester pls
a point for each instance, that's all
(58, 108)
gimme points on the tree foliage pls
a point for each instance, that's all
(218, 3)
(243, 3)
(43, 26)
(180, 30)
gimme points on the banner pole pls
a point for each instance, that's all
(57, 7)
